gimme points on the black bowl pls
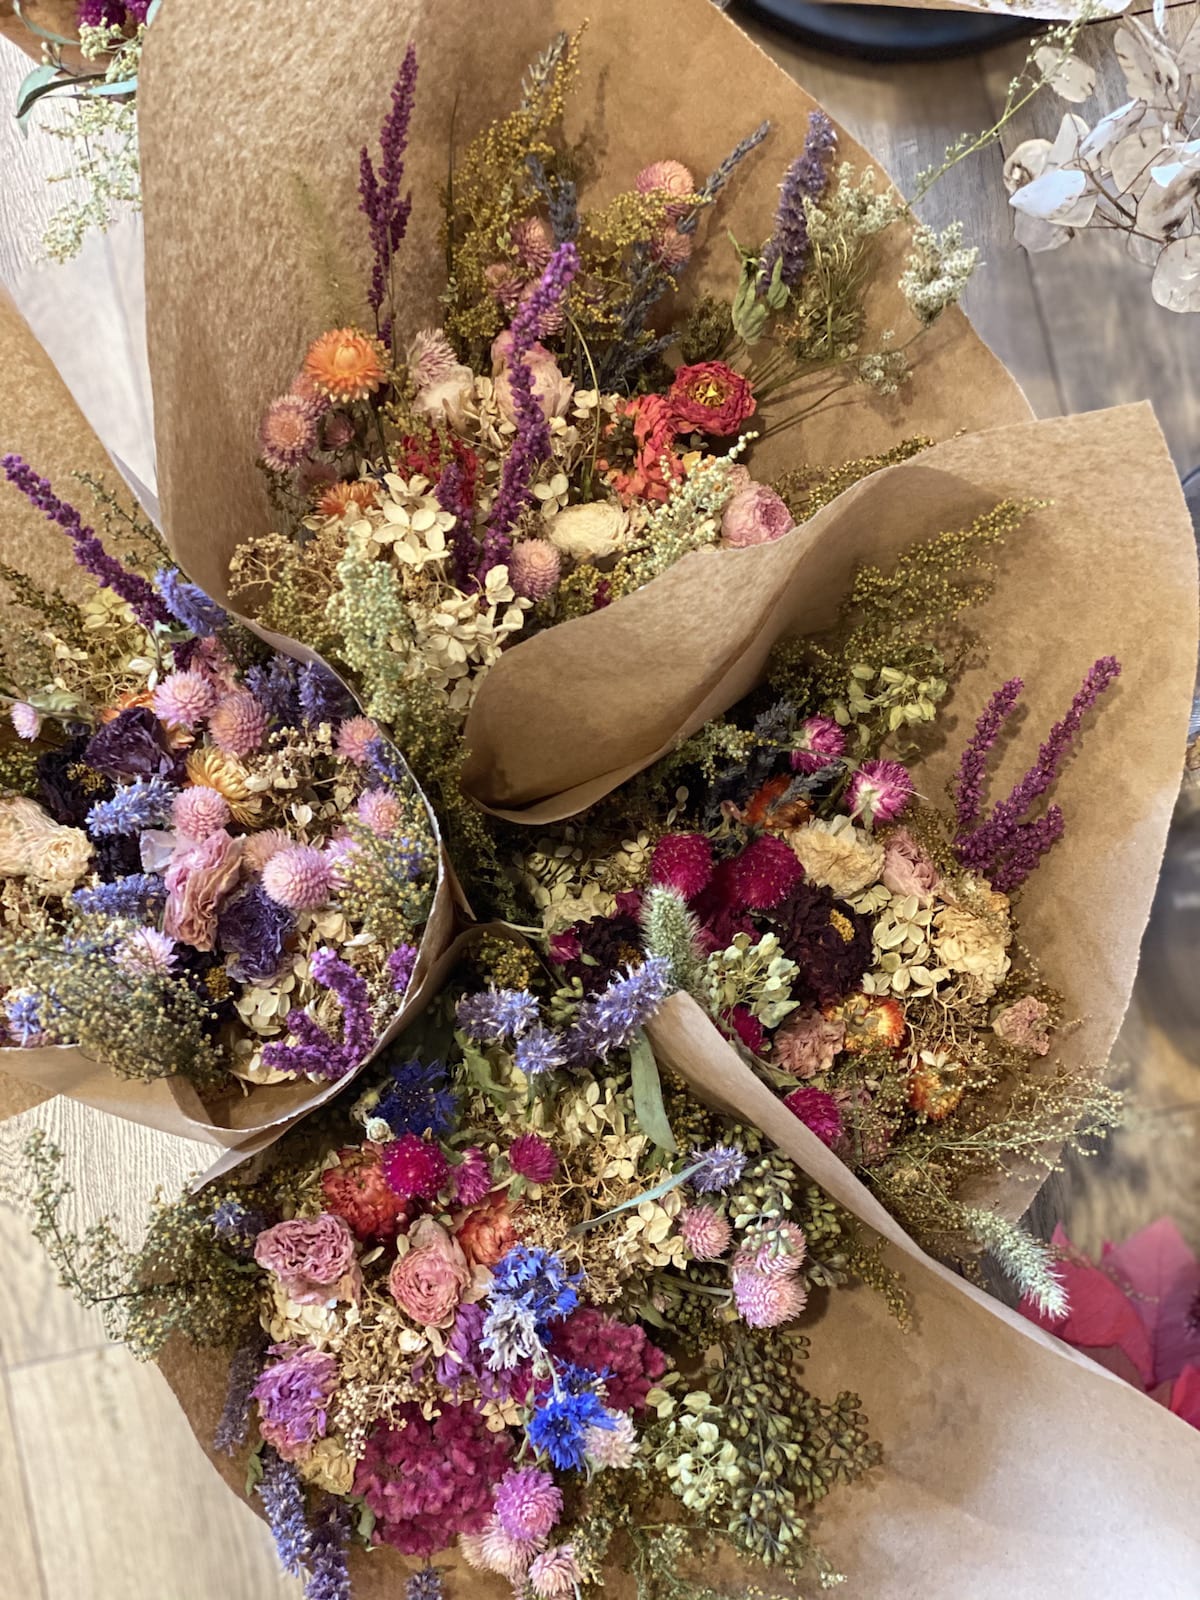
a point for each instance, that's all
(888, 33)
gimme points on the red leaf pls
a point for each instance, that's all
(1101, 1315)
(1163, 1279)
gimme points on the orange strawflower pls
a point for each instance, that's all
(344, 364)
(338, 498)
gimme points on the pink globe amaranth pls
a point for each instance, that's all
(765, 873)
(528, 1503)
(415, 1168)
(706, 1232)
(818, 1111)
(379, 810)
(683, 862)
(183, 699)
(766, 1300)
(531, 1157)
(26, 721)
(238, 724)
(819, 743)
(534, 566)
(354, 739)
(199, 811)
(879, 791)
(670, 178)
(299, 878)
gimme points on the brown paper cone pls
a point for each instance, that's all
(46, 427)
(1109, 568)
(230, 304)
(1013, 1467)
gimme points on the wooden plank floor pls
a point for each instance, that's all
(88, 1504)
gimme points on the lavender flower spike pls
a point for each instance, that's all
(968, 785)
(282, 1496)
(89, 552)
(244, 1369)
(805, 179)
(532, 442)
(328, 1572)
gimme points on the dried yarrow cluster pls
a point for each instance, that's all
(460, 1306)
(207, 850)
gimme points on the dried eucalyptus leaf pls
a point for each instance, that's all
(1069, 77)
(1176, 280)
(1026, 163)
(1151, 72)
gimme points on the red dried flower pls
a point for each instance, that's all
(870, 1021)
(414, 1168)
(765, 873)
(357, 1191)
(710, 397)
(683, 862)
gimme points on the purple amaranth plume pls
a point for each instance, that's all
(89, 552)
(804, 179)
(452, 496)
(532, 442)
(1002, 847)
(967, 787)
(381, 203)
(315, 1051)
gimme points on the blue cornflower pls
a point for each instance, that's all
(144, 803)
(189, 604)
(496, 1014)
(537, 1279)
(720, 1168)
(124, 897)
(608, 1021)
(560, 1423)
(282, 1496)
(274, 687)
(540, 1050)
(419, 1099)
(510, 1333)
(322, 696)
(21, 1013)
(425, 1585)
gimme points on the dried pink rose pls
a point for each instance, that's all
(313, 1258)
(552, 390)
(1023, 1025)
(755, 515)
(432, 1279)
(197, 881)
(907, 870)
(808, 1042)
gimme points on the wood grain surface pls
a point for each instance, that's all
(101, 1493)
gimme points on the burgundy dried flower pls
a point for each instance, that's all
(818, 1111)
(828, 940)
(683, 862)
(414, 1168)
(531, 1157)
(588, 1338)
(472, 1177)
(765, 873)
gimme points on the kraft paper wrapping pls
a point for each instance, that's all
(233, 300)
(1013, 1466)
(42, 422)
(1109, 568)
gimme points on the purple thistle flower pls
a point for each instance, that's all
(379, 192)
(425, 1585)
(720, 1167)
(532, 443)
(282, 1496)
(805, 179)
(131, 896)
(608, 1021)
(189, 604)
(496, 1014)
(314, 1051)
(540, 1050)
(328, 1570)
(967, 787)
(1002, 848)
(323, 698)
(90, 554)
(244, 1369)
(144, 803)
(400, 965)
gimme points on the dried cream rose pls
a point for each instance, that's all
(838, 855)
(587, 532)
(967, 944)
(58, 862)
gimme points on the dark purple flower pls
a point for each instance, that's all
(453, 496)
(244, 1369)
(63, 796)
(805, 179)
(89, 552)
(323, 698)
(532, 443)
(379, 192)
(130, 746)
(968, 785)
(254, 929)
(828, 940)
(400, 966)
(328, 1571)
(275, 688)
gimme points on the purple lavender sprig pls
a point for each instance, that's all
(967, 788)
(328, 1572)
(804, 180)
(89, 552)
(314, 1051)
(386, 211)
(282, 1496)
(1003, 848)
(532, 443)
(244, 1369)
